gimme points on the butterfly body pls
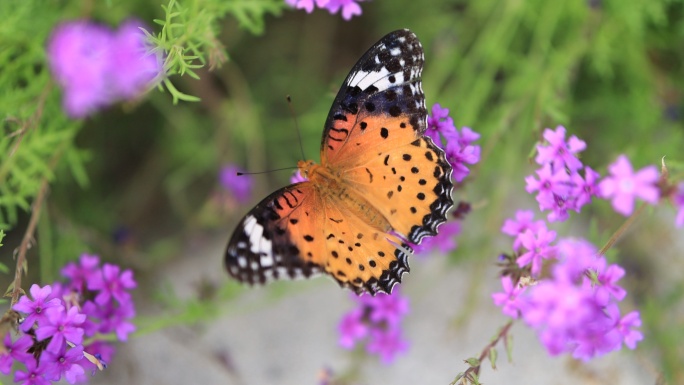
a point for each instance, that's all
(380, 187)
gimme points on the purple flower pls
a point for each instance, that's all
(32, 376)
(387, 344)
(297, 177)
(523, 221)
(558, 310)
(559, 153)
(134, 67)
(508, 299)
(584, 188)
(607, 283)
(539, 247)
(578, 256)
(678, 199)
(386, 308)
(439, 122)
(112, 319)
(550, 183)
(352, 328)
(238, 185)
(626, 327)
(623, 185)
(36, 309)
(349, 8)
(599, 335)
(568, 311)
(63, 363)
(17, 351)
(79, 275)
(444, 240)
(459, 155)
(95, 67)
(80, 57)
(111, 284)
(62, 326)
(466, 136)
(307, 5)
(559, 206)
(378, 318)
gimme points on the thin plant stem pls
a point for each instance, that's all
(618, 233)
(25, 242)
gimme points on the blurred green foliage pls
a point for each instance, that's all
(139, 181)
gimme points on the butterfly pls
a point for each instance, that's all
(381, 185)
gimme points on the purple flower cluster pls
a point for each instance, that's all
(457, 145)
(63, 322)
(240, 186)
(349, 8)
(575, 309)
(564, 289)
(377, 320)
(97, 67)
(560, 186)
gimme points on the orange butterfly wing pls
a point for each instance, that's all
(380, 186)
(296, 233)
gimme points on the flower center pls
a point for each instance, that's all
(627, 185)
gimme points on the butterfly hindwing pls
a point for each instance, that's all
(295, 233)
(271, 241)
(359, 255)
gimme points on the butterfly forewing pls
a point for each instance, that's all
(374, 136)
(384, 83)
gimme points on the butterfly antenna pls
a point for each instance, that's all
(294, 117)
(265, 172)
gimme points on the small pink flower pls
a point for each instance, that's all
(624, 185)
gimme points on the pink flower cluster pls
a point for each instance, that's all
(563, 288)
(97, 67)
(349, 8)
(61, 323)
(560, 187)
(460, 152)
(575, 309)
(377, 320)
(458, 145)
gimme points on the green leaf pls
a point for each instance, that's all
(493, 355)
(473, 362)
(509, 347)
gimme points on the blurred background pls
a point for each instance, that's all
(139, 183)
